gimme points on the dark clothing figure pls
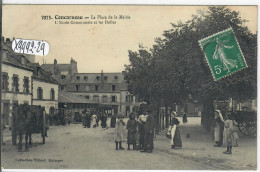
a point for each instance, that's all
(103, 121)
(113, 121)
(88, 120)
(175, 133)
(97, 120)
(148, 134)
(132, 125)
(184, 118)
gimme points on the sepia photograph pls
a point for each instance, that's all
(129, 87)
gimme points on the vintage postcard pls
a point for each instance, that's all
(129, 87)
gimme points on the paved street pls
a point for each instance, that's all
(75, 147)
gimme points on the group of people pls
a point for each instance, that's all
(225, 131)
(92, 119)
(140, 131)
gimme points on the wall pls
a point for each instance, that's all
(46, 101)
(15, 97)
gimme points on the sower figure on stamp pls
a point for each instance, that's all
(132, 125)
(119, 132)
(148, 133)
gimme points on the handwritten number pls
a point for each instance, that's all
(28, 46)
(38, 50)
(42, 48)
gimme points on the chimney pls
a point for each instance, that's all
(55, 68)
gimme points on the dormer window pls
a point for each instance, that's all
(78, 77)
(63, 76)
(116, 77)
(105, 78)
(98, 77)
(85, 78)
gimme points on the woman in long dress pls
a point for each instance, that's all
(174, 131)
(94, 120)
(218, 129)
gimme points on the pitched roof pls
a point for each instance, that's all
(66, 97)
(41, 74)
(13, 58)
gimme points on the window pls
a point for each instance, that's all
(15, 83)
(129, 98)
(87, 97)
(61, 87)
(97, 77)
(116, 77)
(77, 87)
(26, 84)
(104, 99)
(96, 98)
(78, 77)
(113, 88)
(85, 78)
(63, 76)
(52, 94)
(39, 93)
(105, 78)
(114, 99)
(5, 82)
(96, 87)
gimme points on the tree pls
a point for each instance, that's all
(175, 67)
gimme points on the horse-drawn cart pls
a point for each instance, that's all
(28, 120)
(247, 122)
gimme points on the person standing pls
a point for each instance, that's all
(119, 132)
(218, 129)
(94, 120)
(103, 120)
(98, 117)
(174, 131)
(229, 137)
(132, 125)
(184, 118)
(88, 119)
(148, 133)
(113, 121)
(142, 120)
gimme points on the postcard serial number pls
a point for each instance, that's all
(34, 47)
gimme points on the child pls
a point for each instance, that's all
(229, 133)
(132, 125)
(119, 132)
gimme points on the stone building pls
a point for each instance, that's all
(16, 81)
(25, 82)
(108, 90)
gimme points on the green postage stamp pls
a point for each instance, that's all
(223, 54)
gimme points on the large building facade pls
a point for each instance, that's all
(21, 79)
(101, 92)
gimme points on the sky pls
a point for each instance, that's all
(98, 47)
